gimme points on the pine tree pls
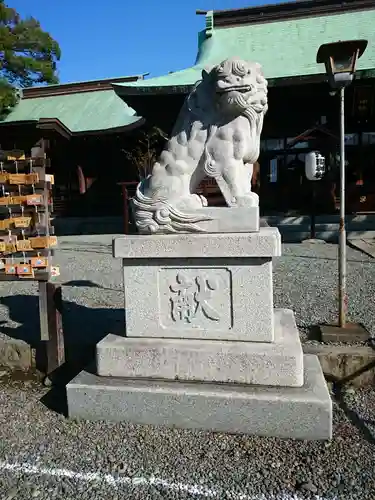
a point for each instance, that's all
(28, 55)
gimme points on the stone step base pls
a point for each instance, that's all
(300, 413)
(362, 222)
(279, 363)
(328, 236)
(295, 229)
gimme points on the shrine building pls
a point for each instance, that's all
(84, 130)
(303, 114)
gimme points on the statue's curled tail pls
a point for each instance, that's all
(162, 217)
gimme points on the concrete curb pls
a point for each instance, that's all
(354, 365)
(364, 245)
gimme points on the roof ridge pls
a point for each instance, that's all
(76, 87)
(285, 11)
(97, 80)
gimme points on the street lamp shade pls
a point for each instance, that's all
(340, 60)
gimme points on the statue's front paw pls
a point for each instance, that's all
(248, 200)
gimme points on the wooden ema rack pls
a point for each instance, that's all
(26, 235)
(27, 241)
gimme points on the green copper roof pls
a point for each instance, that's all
(79, 112)
(185, 77)
(285, 48)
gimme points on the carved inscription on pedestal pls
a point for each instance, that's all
(192, 298)
(195, 298)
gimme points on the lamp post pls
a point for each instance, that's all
(340, 60)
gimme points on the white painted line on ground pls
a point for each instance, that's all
(97, 477)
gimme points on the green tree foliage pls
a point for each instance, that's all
(28, 55)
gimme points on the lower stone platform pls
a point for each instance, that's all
(279, 363)
(300, 413)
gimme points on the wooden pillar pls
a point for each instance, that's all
(51, 326)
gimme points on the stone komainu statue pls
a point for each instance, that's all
(217, 134)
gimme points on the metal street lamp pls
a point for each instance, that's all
(340, 60)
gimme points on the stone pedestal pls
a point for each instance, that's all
(204, 347)
(208, 286)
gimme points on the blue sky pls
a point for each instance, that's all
(109, 38)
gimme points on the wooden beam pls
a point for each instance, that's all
(56, 125)
(51, 326)
(115, 130)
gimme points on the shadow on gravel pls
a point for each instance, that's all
(313, 333)
(87, 250)
(87, 284)
(355, 419)
(83, 327)
(339, 396)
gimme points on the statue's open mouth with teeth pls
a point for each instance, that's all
(243, 89)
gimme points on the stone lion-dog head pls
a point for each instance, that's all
(231, 88)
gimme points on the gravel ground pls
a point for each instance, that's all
(305, 280)
(43, 455)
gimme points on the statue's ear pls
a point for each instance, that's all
(259, 69)
(205, 75)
